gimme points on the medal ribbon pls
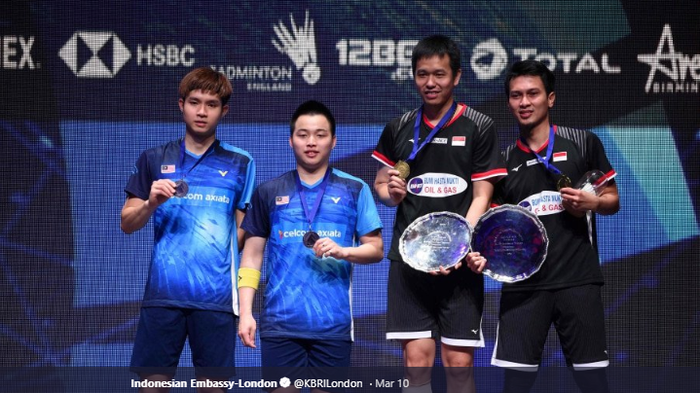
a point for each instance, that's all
(182, 157)
(317, 203)
(416, 129)
(550, 148)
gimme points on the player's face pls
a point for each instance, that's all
(435, 80)
(202, 112)
(529, 101)
(312, 142)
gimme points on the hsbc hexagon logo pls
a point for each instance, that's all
(98, 43)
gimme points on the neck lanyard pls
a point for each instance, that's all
(311, 214)
(182, 157)
(416, 130)
(550, 148)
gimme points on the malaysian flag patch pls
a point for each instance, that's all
(167, 169)
(459, 140)
(282, 200)
(560, 156)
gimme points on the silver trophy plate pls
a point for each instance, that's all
(434, 240)
(513, 241)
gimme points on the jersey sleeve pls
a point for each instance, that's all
(249, 186)
(367, 216)
(257, 219)
(139, 183)
(488, 162)
(597, 159)
(384, 152)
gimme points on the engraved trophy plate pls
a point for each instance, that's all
(513, 241)
(434, 240)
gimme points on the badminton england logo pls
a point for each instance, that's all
(300, 46)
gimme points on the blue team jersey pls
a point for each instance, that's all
(306, 296)
(195, 253)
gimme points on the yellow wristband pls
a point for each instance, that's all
(248, 277)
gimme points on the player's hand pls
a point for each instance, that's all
(476, 262)
(396, 186)
(444, 272)
(326, 247)
(246, 330)
(161, 191)
(578, 202)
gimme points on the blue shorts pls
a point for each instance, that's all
(161, 335)
(304, 358)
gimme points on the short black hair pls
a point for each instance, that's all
(312, 107)
(437, 45)
(531, 68)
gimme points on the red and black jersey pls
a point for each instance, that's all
(572, 256)
(462, 152)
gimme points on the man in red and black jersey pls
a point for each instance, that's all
(454, 160)
(566, 289)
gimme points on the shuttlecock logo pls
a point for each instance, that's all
(299, 45)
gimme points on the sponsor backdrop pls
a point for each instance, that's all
(87, 85)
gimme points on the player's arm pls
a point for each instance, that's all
(370, 250)
(136, 212)
(482, 194)
(390, 188)
(248, 280)
(578, 202)
(240, 233)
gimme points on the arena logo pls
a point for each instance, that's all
(16, 52)
(489, 59)
(683, 69)
(298, 43)
(99, 64)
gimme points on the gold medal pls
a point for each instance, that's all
(403, 168)
(563, 182)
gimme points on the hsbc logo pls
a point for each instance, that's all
(106, 54)
(98, 44)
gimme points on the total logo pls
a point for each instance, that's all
(489, 59)
(683, 70)
(108, 54)
(298, 43)
(16, 53)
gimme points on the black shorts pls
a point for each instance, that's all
(161, 335)
(421, 305)
(525, 318)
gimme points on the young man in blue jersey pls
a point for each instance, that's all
(316, 222)
(197, 189)
(566, 291)
(443, 142)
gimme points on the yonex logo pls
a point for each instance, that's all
(98, 43)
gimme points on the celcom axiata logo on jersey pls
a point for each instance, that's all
(683, 69)
(299, 233)
(98, 44)
(300, 45)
